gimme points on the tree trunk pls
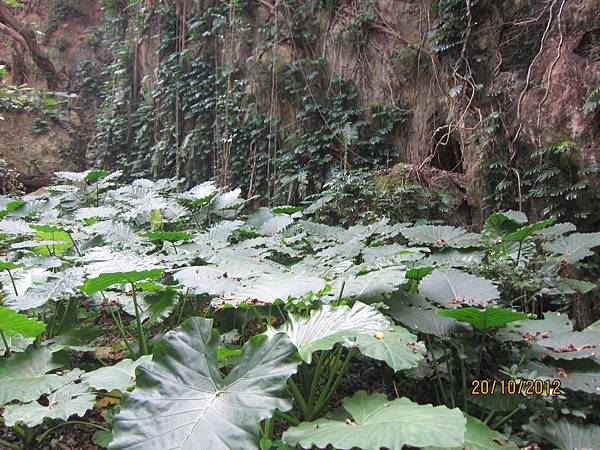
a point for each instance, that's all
(28, 37)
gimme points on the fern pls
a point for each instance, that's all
(592, 102)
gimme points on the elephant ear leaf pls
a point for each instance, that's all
(24, 376)
(500, 224)
(328, 326)
(120, 376)
(376, 423)
(69, 400)
(106, 280)
(485, 319)
(181, 399)
(12, 322)
(575, 246)
(453, 288)
(480, 437)
(567, 434)
(441, 236)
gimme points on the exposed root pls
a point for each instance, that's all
(529, 70)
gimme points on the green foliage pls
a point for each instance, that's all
(375, 422)
(199, 109)
(184, 364)
(561, 183)
(557, 183)
(490, 317)
(451, 31)
(297, 315)
(592, 102)
(360, 197)
(11, 323)
(49, 104)
(106, 280)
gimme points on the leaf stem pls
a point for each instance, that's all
(450, 367)
(316, 378)
(330, 392)
(6, 346)
(74, 243)
(138, 322)
(463, 375)
(120, 327)
(9, 444)
(298, 397)
(505, 418)
(480, 358)
(437, 372)
(287, 418)
(12, 280)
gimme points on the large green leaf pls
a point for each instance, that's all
(578, 375)
(529, 330)
(422, 320)
(50, 233)
(568, 435)
(524, 232)
(391, 255)
(490, 317)
(121, 376)
(441, 236)
(395, 345)
(268, 288)
(24, 376)
(54, 287)
(370, 287)
(479, 437)
(182, 401)
(207, 279)
(556, 230)
(106, 280)
(378, 423)
(9, 265)
(574, 247)
(452, 258)
(453, 288)
(15, 227)
(169, 236)
(499, 225)
(12, 322)
(69, 400)
(568, 345)
(498, 401)
(16, 343)
(329, 325)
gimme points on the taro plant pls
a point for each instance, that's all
(130, 279)
(258, 328)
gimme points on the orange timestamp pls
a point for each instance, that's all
(523, 386)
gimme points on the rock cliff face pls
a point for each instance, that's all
(42, 132)
(475, 82)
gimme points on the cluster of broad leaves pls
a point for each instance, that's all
(163, 268)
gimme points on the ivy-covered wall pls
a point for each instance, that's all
(274, 95)
(277, 95)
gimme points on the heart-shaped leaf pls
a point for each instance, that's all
(484, 319)
(121, 376)
(453, 288)
(12, 322)
(69, 400)
(106, 280)
(376, 423)
(24, 376)
(181, 400)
